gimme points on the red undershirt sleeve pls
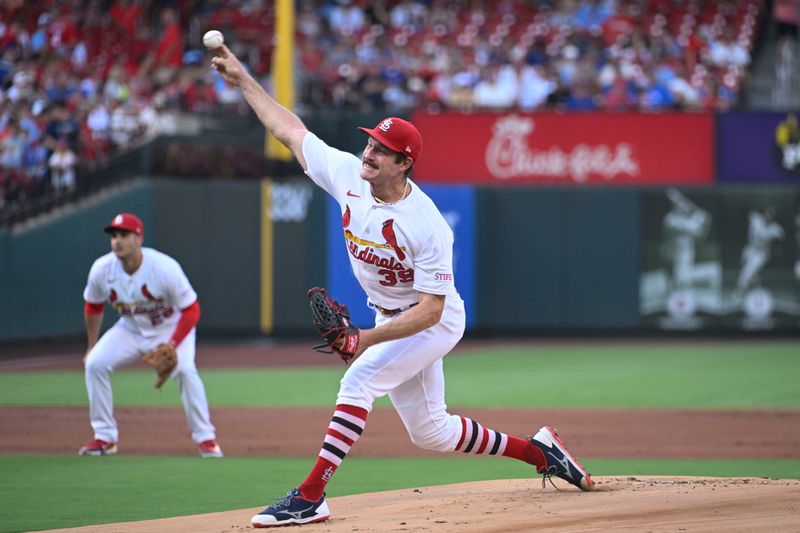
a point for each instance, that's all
(92, 309)
(188, 320)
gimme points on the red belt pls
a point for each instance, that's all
(391, 312)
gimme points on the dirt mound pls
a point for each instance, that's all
(591, 433)
(634, 503)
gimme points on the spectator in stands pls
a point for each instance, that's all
(36, 167)
(591, 15)
(22, 83)
(408, 13)
(345, 18)
(99, 121)
(498, 87)
(727, 51)
(28, 123)
(377, 13)
(621, 23)
(116, 86)
(69, 69)
(7, 64)
(58, 86)
(61, 125)
(199, 92)
(63, 163)
(787, 16)
(307, 20)
(462, 86)
(713, 95)
(164, 61)
(654, 93)
(536, 85)
(12, 149)
(155, 119)
(126, 15)
(567, 65)
(125, 127)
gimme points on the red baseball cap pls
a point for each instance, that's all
(398, 135)
(126, 222)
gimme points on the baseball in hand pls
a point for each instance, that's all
(213, 39)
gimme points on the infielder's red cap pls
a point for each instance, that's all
(126, 222)
(398, 135)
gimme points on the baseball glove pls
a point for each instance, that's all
(332, 321)
(163, 359)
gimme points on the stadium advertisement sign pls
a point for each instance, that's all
(567, 149)
(728, 260)
(758, 148)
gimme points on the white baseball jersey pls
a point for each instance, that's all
(394, 250)
(149, 301)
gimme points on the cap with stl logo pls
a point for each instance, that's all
(398, 135)
(126, 222)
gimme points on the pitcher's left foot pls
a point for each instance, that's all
(292, 509)
(559, 461)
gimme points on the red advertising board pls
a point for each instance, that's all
(567, 149)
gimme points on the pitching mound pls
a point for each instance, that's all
(635, 503)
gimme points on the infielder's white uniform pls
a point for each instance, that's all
(148, 303)
(396, 250)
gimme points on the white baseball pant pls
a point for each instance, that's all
(119, 347)
(410, 371)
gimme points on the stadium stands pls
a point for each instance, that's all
(94, 78)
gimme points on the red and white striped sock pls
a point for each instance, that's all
(476, 439)
(344, 430)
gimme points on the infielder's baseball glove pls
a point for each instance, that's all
(332, 321)
(163, 359)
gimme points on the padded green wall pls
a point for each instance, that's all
(45, 267)
(557, 259)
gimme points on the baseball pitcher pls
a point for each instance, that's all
(400, 250)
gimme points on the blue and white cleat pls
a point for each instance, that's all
(292, 509)
(559, 461)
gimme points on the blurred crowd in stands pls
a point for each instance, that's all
(83, 79)
(619, 55)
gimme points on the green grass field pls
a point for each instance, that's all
(44, 492)
(744, 375)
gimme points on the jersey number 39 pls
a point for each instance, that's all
(393, 277)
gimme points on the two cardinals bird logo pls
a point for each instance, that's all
(391, 238)
(147, 294)
(346, 217)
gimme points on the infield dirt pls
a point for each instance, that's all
(620, 503)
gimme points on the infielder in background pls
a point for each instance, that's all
(156, 304)
(400, 249)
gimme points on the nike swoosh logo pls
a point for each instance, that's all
(350, 194)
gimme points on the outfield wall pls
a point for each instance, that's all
(528, 259)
